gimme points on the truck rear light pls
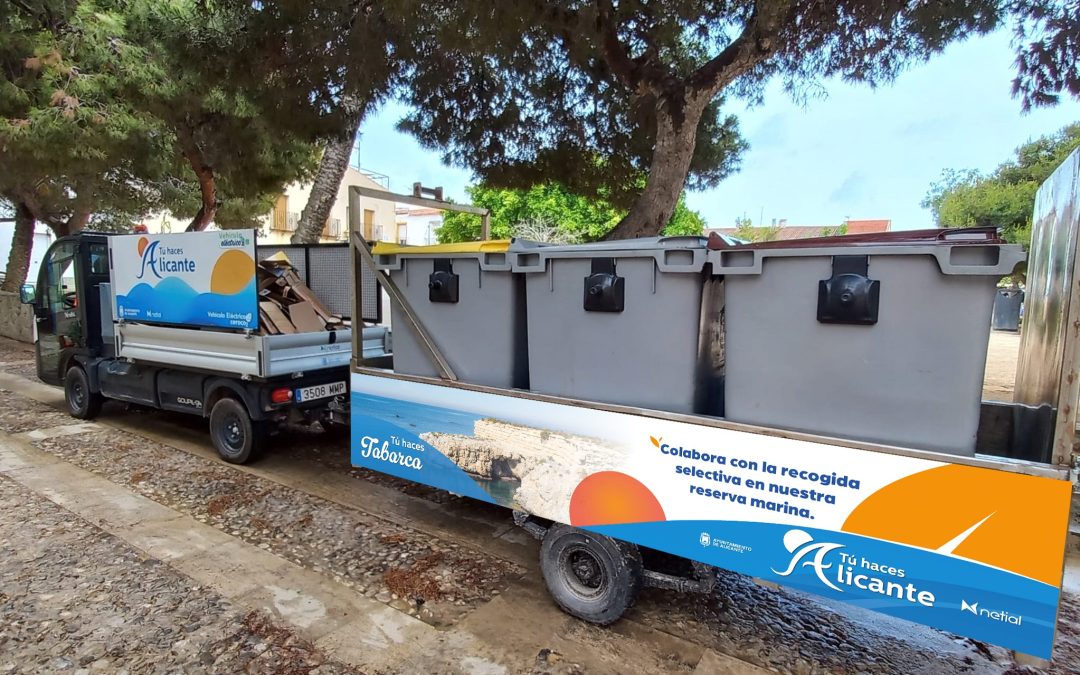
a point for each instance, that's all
(283, 395)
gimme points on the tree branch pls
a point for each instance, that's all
(598, 24)
(612, 48)
(753, 45)
(30, 201)
(78, 220)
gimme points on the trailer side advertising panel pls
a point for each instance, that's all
(189, 279)
(976, 551)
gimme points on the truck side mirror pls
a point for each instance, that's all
(27, 294)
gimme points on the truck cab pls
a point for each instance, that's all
(247, 384)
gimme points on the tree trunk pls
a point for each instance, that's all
(676, 135)
(208, 190)
(22, 244)
(78, 221)
(332, 167)
(59, 227)
(207, 183)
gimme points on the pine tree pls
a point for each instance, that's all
(596, 93)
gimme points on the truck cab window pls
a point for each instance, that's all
(60, 283)
(99, 258)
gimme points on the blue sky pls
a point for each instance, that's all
(857, 152)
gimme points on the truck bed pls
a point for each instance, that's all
(253, 356)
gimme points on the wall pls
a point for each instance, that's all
(16, 319)
(421, 230)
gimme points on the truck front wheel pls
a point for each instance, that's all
(590, 576)
(82, 403)
(236, 437)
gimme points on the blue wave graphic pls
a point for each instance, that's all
(173, 301)
(757, 549)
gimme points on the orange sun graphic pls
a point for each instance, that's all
(611, 498)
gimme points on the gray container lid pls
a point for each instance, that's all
(971, 251)
(672, 254)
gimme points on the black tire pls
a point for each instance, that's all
(82, 403)
(590, 576)
(235, 436)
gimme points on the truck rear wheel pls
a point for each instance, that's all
(236, 437)
(590, 576)
(82, 403)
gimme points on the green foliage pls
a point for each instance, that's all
(1047, 35)
(70, 145)
(745, 230)
(118, 108)
(1004, 198)
(685, 221)
(574, 218)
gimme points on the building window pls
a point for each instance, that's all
(403, 234)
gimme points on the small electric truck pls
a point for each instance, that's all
(172, 322)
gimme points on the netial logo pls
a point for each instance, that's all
(992, 614)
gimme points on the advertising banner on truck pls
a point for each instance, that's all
(190, 278)
(973, 550)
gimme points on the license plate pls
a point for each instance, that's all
(319, 391)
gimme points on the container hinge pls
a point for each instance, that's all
(443, 283)
(605, 291)
(850, 296)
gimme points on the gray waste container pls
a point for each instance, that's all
(883, 342)
(470, 303)
(1007, 305)
(616, 322)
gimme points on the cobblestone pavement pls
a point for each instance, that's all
(75, 599)
(438, 581)
(775, 629)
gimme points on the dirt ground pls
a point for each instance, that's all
(1001, 366)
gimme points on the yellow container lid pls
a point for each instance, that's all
(493, 246)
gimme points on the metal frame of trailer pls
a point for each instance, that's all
(1044, 415)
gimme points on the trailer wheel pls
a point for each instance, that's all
(82, 403)
(590, 576)
(235, 436)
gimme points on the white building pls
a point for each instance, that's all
(43, 238)
(417, 226)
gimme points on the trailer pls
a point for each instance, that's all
(965, 530)
(171, 322)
